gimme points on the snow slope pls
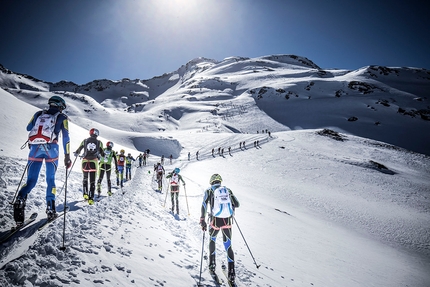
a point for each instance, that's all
(318, 208)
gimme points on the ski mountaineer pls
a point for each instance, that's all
(44, 127)
(140, 158)
(175, 177)
(222, 202)
(106, 167)
(159, 169)
(120, 173)
(128, 161)
(93, 149)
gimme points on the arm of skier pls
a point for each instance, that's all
(203, 210)
(234, 200)
(78, 151)
(63, 126)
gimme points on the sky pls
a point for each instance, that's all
(81, 41)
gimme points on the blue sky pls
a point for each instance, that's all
(81, 41)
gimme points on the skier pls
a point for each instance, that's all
(140, 158)
(120, 173)
(93, 149)
(106, 167)
(222, 202)
(159, 169)
(144, 158)
(175, 177)
(171, 158)
(44, 127)
(128, 161)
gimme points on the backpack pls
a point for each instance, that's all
(175, 179)
(43, 130)
(222, 206)
(121, 159)
(91, 146)
(107, 159)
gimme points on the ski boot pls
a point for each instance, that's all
(19, 210)
(86, 197)
(50, 210)
(110, 193)
(231, 273)
(90, 201)
(212, 268)
(212, 263)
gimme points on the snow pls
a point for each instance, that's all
(315, 211)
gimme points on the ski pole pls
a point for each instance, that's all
(64, 214)
(17, 189)
(23, 146)
(67, 175)
(258, 266)
(201, 260)
(186, 200)
(167, 192)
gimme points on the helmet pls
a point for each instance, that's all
(57, 102)
(176, 170)
(94, 132)
(215, 178)
(109, 144)
(122, 151)
(129, 154)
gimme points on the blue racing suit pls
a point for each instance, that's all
(49, 153)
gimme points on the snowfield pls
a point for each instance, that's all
(320, 205)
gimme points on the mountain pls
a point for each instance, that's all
(282, 92)
(320, 204)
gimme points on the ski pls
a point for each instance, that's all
(8, 234)
(225, 272)
(216, 278)
(47, 222)
(100, 197)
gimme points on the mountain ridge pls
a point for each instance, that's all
(284, 92)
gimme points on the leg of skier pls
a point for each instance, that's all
(109, 183)
(32, 176)
(227, 233)
(51, 168)
(99, 181)
(212, 244)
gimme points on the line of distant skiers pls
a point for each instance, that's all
(44, 129)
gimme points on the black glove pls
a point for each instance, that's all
(67, 161)
(203, 224)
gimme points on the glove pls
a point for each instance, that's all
(203, 224)
(75, 154)
(67, 161)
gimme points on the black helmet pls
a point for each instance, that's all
(57, 102)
